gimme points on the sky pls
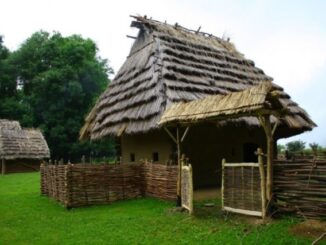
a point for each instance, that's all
(287, 39)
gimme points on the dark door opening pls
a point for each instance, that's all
(249, 150)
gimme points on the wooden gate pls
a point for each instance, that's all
(243, 188)
(187, 188)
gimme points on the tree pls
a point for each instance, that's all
(315, 148)
(295, 146)
(60, 78)
(10, 96)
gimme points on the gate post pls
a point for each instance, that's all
(222, 184)
(262, 182)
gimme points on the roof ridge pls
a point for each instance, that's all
(144, 19)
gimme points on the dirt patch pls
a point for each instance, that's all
(207, 194)
(309, 228)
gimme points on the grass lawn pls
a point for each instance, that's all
(28, 218)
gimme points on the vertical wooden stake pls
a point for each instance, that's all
(252, 187)
(222, 185)
(262, 182)
(3, 167)
(179, 169)
(191, 189)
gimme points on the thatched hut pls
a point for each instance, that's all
(21, 149)
(169, 64)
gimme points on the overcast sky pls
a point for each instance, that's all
(287, 39)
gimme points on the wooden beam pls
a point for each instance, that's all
(246, 164)
(241, 211)
(184, 134)
(3, 166)
(171, 135)
(132, 37)
(275, 126)
(262, 182)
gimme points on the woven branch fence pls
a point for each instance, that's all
(241, 188)
(300, 186)
(76, 185)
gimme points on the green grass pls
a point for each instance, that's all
(28, 218)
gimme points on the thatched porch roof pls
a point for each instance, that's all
(261, 99)
(18, 143)
(169, 64)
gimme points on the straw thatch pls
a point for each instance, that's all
(13, 125)
(169, 64)
(18, 143)
(257, 100)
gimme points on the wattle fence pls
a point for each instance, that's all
(76, 185)
(300, 187)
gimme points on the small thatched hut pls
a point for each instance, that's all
(21, 150)
(169, 64)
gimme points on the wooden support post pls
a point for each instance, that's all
(178, 141)
(3, 166)
(179, 169)
(270, 155)
(262, 182)
(266, 123)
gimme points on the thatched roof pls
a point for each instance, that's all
(169, 64)
(18, 143)
(254, 101)
(5, 123)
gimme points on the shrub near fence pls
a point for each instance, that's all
(76, 185)
(300, 186)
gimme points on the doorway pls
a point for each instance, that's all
(249, 150)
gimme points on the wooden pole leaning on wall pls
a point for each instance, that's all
(262, 182)
(3, 166)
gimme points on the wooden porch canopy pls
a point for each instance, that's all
(259, 101)
(255, 101)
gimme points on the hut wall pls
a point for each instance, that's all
(21, 166)
(143, 147)
(206, 145)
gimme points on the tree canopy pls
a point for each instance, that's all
(295, 146)
(51, 82)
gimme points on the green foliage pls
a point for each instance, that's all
(295, 146)
(28, 218)
(280, 148)
(60, 79)
(314, 146)
(11, 102)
